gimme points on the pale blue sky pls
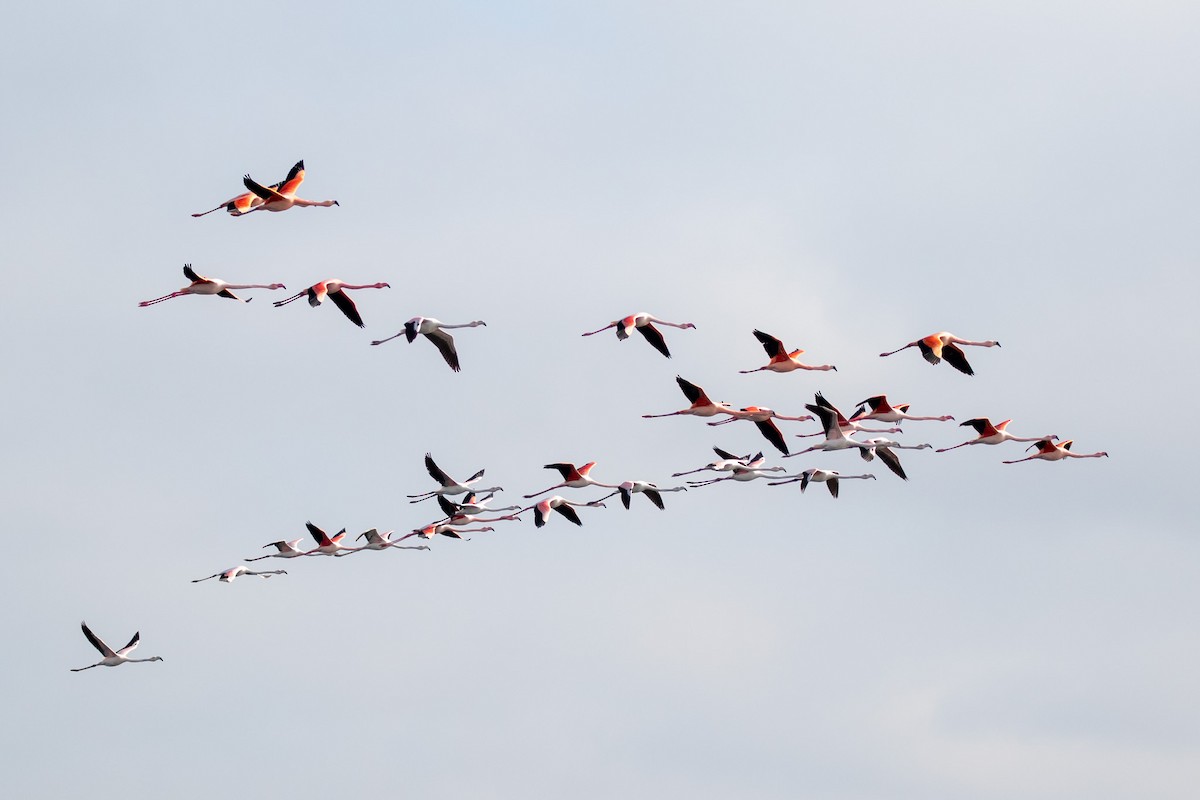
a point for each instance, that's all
(848, 177)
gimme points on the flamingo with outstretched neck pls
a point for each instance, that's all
(203, 285)
(643, 323)
(937, 346)
(435, 331)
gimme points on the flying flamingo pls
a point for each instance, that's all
(763, 419)
(202, 285)
(244, 202)
(701, 406)
(335, 290)
(1049, 451)
(725, 463)
(628, 489)
(827, 476)
(288, 549)
(644, 324)
(572, 478)
(455, 515)
(229, 575)
(434, 331)
(443, 529)
(847, 425)
(541, 511)
(449, 486)
(937, 346)
(835, 439)
(113, 658)
(284, 197)
(781, 359)
(474, 504)
(884, 411)
(992, 434)
(743, 474)
(380, 541)
(326, 545)
(884, 449)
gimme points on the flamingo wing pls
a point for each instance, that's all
(982, 425)
(691, 391)
(956, 358)
(436, 472)
(133, 643)
(343, 301)
(444, 342)
(771, 431)
(568, 471)
(192, 275)
(294, 178)
(97, 642)
(265, 192)
(569, 513)
(654, 336)
(773, 346)
(891, 460)
(655, 497)
(318, 535)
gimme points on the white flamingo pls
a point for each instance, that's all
(381, 541)
(829, 477)
(206, 286)
(628, 489)
(725, 463)
(885, 448)
(742, 474)
(643, 323)
(435, 331)
(113, 658)
(286, 549)
(541, 511)
(835, 439)
(449, 486)
(231, 574)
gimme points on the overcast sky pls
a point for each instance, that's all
(848, 177)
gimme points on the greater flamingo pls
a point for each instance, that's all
(229, 575)
(742, 474)
(335, 290)
(326, 545)
(456, 515)
(628, 489)
(449, 486)
(286, 549)
(203, 285)
(701, 406)
(725, 463)
(244, 202)
(835, 439)
(643, 323)
(937, 346)
(827, 476)
(284, 197)
(572, 478)
(763, 418)
(443, 529)
(381, 541)
(847, 425)
(541, 511)
(884, 411)
(113, 658)
(993, 434)
(434, 331)
(884, 448)
(474, 504)
(781, 359)
(1049, 451)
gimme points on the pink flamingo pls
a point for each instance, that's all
(244, 202)
(781, 359)
(202, 285)
(937, 346)
(284, 197)
(992, 434)
(229, 575)
(541, 511)
(335, 290)
(643, 323)
(883, 411)
(1049, 451)
(700, 406)
(763, 420)
(572, 478)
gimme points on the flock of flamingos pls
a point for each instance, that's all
(838, 431)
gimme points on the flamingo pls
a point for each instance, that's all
(443, 529)
(380, 541)
(884, 411)
(701, 406)
(835, 439)
(455, 515)
(827, 476)
(763, 419)
(937, 346)
(473, 504)
(449, 486)
(725, 463)
(113, 658)
(781, 359)
(284, 197)
(244, 202)
(992, 434)
(229, 575)
(644, 324)
(288, 549)
(541, 511)
(202, 285)
(435, 331)
(884, 448)
(743, 474)
(326, 545)
(847, 425)
(572, 478)
(335, 290)
(628, 489)
(1049, 451)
